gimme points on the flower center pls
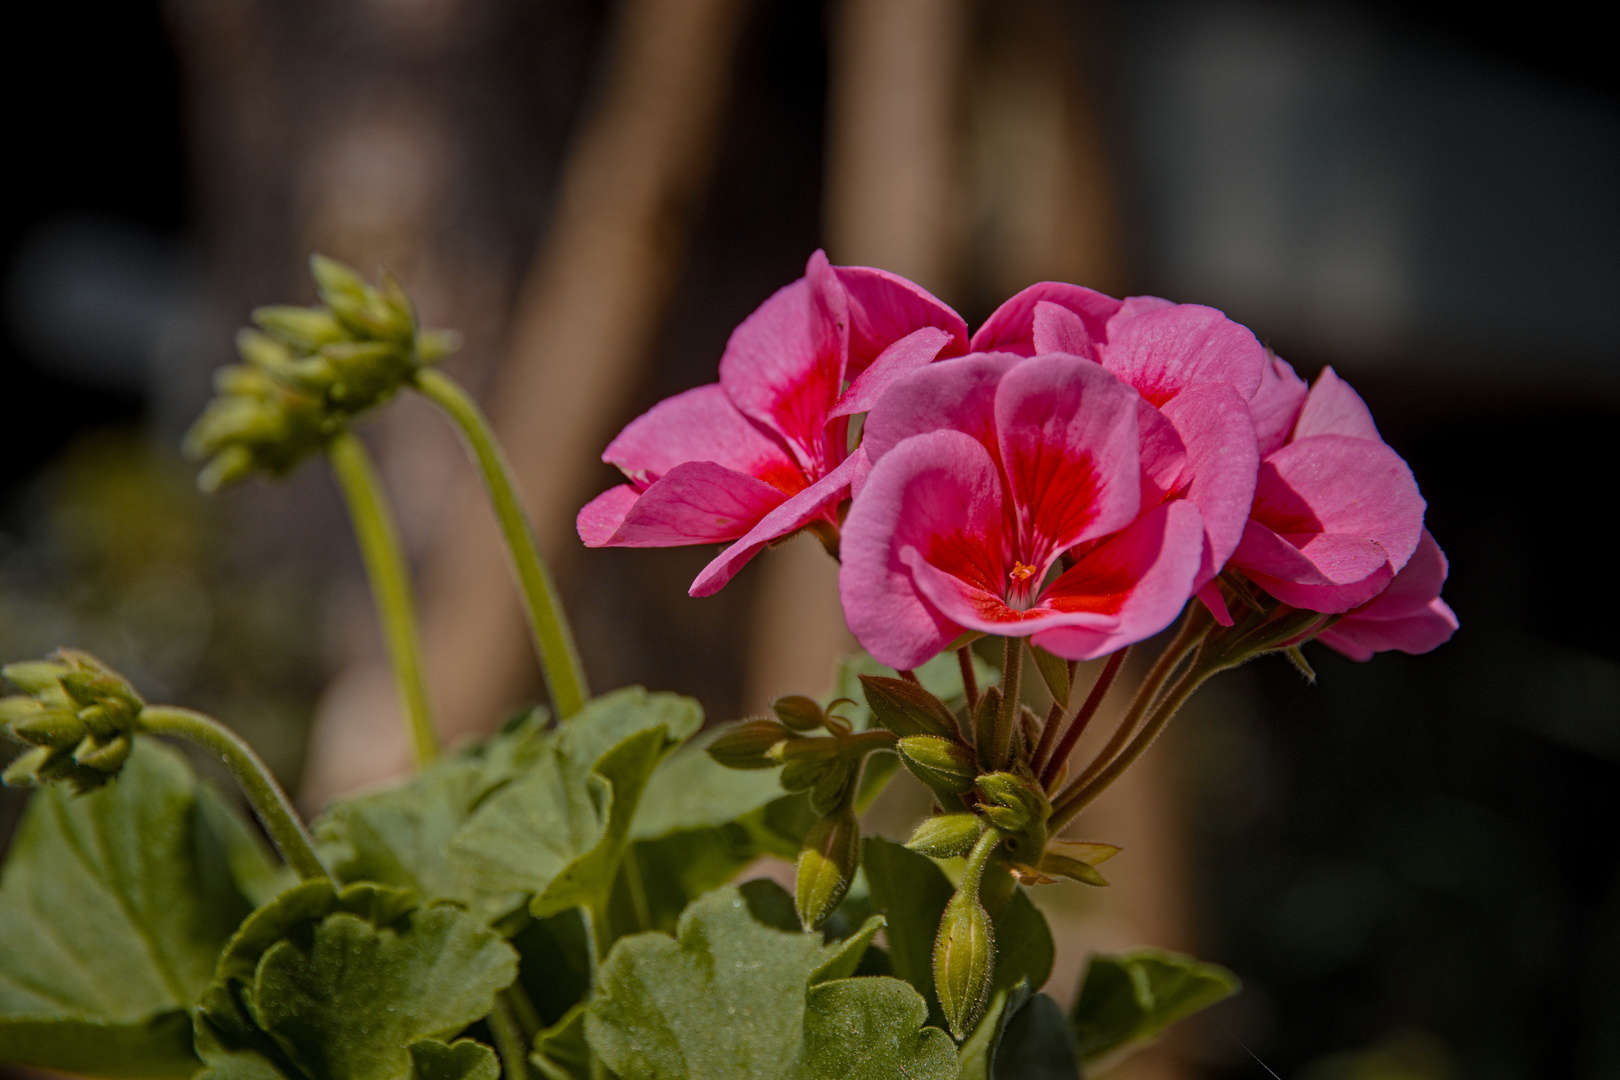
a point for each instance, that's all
(1021, 573)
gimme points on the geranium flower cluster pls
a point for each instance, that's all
(1074, 472)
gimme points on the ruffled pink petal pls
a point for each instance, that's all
(697, 502)
(1164, 455)
(1142, 578)
(603, 515)
(784, 364)
(1070, 447)
(1418, 583)
(789, 517)
(1343, 486)
(1332, 408)
(1222, 464)
(1418, 633)
(700, 425)
(1275, 406)
(1328, 599)
(917, 349)
(885, 307)
(938, 495)
(1307, 559)
(1166, 350)
(958, 394)
(1057, 329)
(1011, 327)
(1133, 306)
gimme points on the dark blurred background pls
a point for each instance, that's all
(1406, 863)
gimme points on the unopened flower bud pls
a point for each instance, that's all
(1021, 810)
(945, 765)
(829, 791)
(946, 836)
(748, 745)
(798, 712)
(984, 725)
(964, 958)
(78, 717)
(104, 756)
(303, 329)
(906, 708)
(827, 865)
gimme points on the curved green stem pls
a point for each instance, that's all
(510, 1045)
(390, 584)
(553, 640)
(269, 802)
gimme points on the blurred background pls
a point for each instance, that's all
(1406, 863)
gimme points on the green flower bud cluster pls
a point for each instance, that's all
(828, 769)
(77, 716)
(307, 373)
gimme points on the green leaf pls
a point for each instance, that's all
(731, 997)
(977, 1054)
(560, 1052)
(1054, 673)
(912, 891)
(114, 907)
(691, 791)
(1131, 997)
(558, 831)
(322, 983)
(463, 1059)
(1037, 1044)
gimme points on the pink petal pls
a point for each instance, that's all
(885, 307)
(1011, 327)
(1328, 599)
(1416, 634)
(1142, 578)
(1166, 350)
(1334, 409)
(1070, 447)
(1418, 583)
(1057, 329)
(1210, 596)
(1308, 559)
(972, 606)
(1164, 455)
(917, 349)
(787, 518)
(784, 364)
(936, 494)
(1276, 405)
(957, 394)
(1344, 486)
(1222, 463)
(700, 425)
(603, 515)
(1134, 306)
(697, 502)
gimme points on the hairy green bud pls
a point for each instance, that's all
(748, 745)
(78, 716)
(829, 791)
(906, 708)
(946, 836)
(946, 766)
(827, 865)
(798, 712)
(984, 725)
(964, 959)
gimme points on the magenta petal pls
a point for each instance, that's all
(1069, 444)
(788, 517)
(1417, 633)
(1313, 559)
(1057, 329)
(1142, 577)
(603, 515)
(974, 607)
(1222, 463)
(699, 425)
(1166, 350)
(917, 349)
(1210, 596)
(697, 502)
(1164, 455)
(1328, 599)
(1011, 327)
(1132, 306)
(1275, 406)
(957, 394)
(1418, 583)
(939, 495)
(885, 307)
(1334, 409)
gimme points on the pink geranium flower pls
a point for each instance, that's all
(1409, 615)
(765, 451)
(986, 471)
(1336, 514)
(1197, 373)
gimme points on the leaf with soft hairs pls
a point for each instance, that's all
(1126, 1000)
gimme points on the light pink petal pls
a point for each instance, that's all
(1210, 596)
(957, 394)
(1164, 455)
(1222, 464)
(1275, 406)
(885, 307)
(1328, 599)
(1142, 577)
(603, 515)
(860, 468)
(1309, 559)
(1332, 408)
(700, 425)
(937, 494)
(697, 502)
(1418, 583)
(1166, 350)
(1057, 329)
(1011, 327)
(1134, 306)
(917, 349)
(1416, 633)
(1071, 451)
(789, 517)
(1343, 486)
(784, 364)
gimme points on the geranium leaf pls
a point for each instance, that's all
(463, 1059)
(558, 831)
(560, 1052)
(1128, 999)
(977, 1054)
(114, 907)
(730, 996)
(1036, 1044)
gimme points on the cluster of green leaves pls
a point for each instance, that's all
(553, 902)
